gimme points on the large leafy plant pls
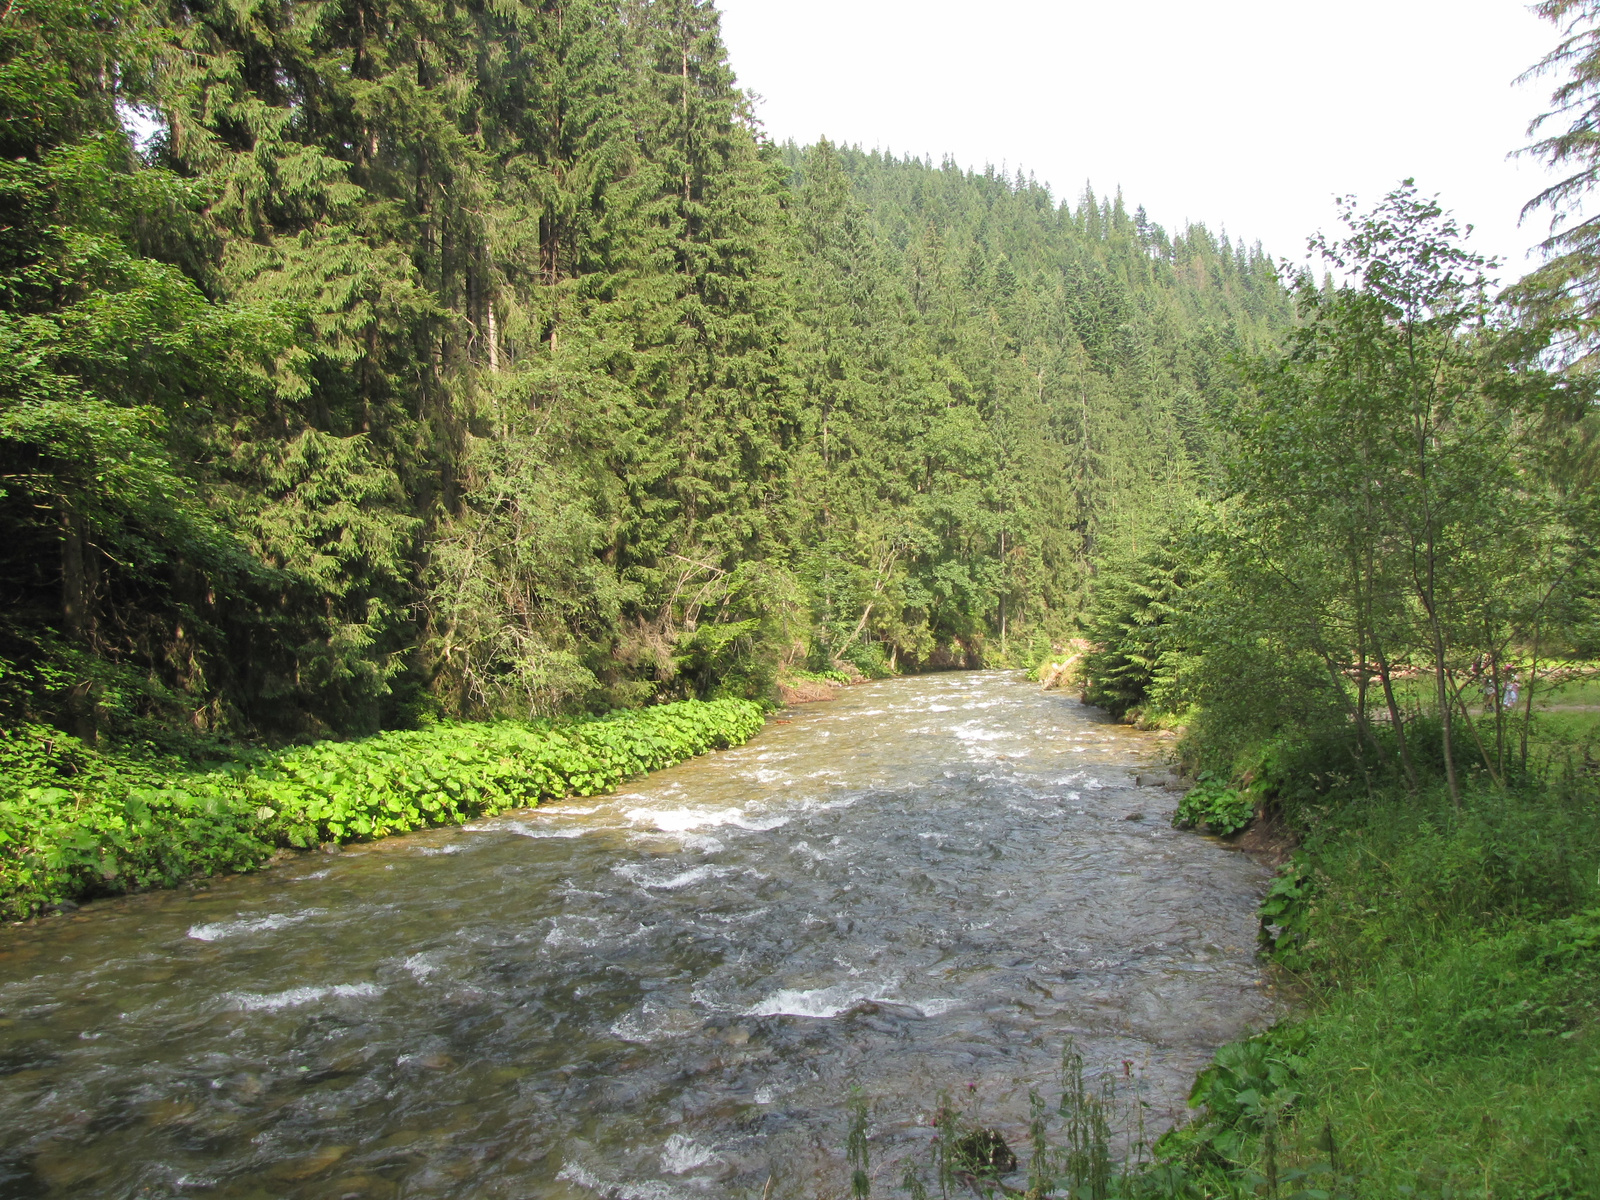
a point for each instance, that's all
(76, 823)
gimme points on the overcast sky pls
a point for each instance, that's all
(1248, 114)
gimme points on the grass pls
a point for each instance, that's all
(1450, 966)
(1416, 694)
(1560, 732)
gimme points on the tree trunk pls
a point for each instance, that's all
(494, 340)
(77, 621)
(1396, 719)
(1446, 720)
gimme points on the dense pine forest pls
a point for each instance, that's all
(368, 363)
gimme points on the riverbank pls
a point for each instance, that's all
(1447, 966)
(77, 823)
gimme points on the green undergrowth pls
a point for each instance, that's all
(1215, 806)
(796, 675)
(77, 823)
(1447, 967)
(1450, 962)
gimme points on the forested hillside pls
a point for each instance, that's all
(365, 361)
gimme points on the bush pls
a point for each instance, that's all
(796, 675)
(1223, 810)
(870, 658)
(1249, 1087)
(76, 823)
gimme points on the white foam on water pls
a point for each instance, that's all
(682, 820)
(683, 1154)
(683, 879)
(737, 918)
(580, 1175)
(941, 708)
(420, 967)
(826, 1002)
(823, 1002)
(537, 828)
(564, 931)
(451, 848)
(295, 997)
(847, 802)
(225, 929)
(700, 843)
(649, 1023)
(968, 734)
(767, 1094)
(647, 1190)
(531, 831)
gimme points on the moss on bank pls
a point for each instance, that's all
(77, 823)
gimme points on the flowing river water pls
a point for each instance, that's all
(928, 884)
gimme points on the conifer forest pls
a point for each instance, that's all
(489, 362)
(414, 412)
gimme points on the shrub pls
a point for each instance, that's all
(1223, 810)
(75, 823)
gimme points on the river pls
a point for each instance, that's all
(928, 884)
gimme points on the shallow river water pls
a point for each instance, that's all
(930, 883)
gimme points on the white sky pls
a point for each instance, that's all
(1244, 114)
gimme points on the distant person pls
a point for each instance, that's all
(1510, 693)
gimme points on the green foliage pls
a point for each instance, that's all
(489, 362)
(997, 389)
(1070, 1143)
(1393, 500)
(858, 1149)
(1249, 1089)
(803, 676)
(1560, 296)
(75, 822)
(1212, 803)
(1285, 911)
(1403, 519)
(1138, 630)
(1248, 1097)
(1447, 954)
